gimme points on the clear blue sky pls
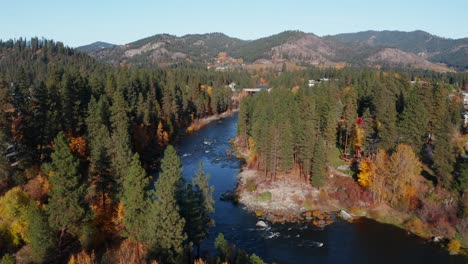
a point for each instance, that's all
(81, 22)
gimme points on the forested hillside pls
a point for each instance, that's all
(416, 49)
(400, 134)
(76, 137)
(450, 51)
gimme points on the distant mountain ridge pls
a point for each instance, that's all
(96, 46)
(417, 49)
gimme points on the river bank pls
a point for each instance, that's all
(291, 243)
(289, 199)
(198, 124)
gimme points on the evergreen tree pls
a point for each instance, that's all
(203, 207)
(463, 178)
(349, 115)
(222, 246)
(121, 151)
(41, 237)
(319, 165)
(413, 127)
(66, 208)
(99, 150)
(165, 225)
(443, 157)
(386, 117)
(254, 259)
(134, 200)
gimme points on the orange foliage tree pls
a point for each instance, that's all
(78, 146)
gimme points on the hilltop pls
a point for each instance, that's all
(417, 49)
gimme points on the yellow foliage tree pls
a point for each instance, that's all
(253, 151)
(13, 209)
(379, 176)
(365, 172)
(358, 140)
(209, 91)
(454, 246)
(404, 167)
(83, 258)
(163, 136)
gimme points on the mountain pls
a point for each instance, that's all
(167, 49)
(453, 52)
(96, 46)
(415, 49)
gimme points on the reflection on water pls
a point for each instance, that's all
(364, 241)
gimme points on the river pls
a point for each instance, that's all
(364, 241)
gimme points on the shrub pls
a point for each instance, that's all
(415, 226)
(454, 246)
(7, 259)
(250, 185)
(254, 259)
(83, 258)
(265, 197)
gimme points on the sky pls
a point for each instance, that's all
(82, 22)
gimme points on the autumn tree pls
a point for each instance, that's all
(404, 167)
(14, 206)
(365, 172)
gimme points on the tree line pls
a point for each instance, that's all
(295, 127)
(84, 136)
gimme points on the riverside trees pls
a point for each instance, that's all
(400, 134)
(86, 132)
(375, 110)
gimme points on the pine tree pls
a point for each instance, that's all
(444, 158)
(121, 151)
(204, 206)
(319, 165)
(66, 208)
(386, 118)
(349, 115)
(134, 200)
(99, 150)
(165, 225)
(414, 122)
(40, 236)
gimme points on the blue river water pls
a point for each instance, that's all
(364, 241)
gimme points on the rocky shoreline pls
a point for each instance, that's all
(282, 201)
(294, 202)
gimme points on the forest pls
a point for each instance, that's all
(400, 132)
(82, 143)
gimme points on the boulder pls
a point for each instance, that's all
(345, 215)
(261, 224)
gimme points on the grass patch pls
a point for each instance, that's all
(334, 157)
(265, 197)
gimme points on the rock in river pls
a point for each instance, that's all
(261, 224)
